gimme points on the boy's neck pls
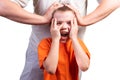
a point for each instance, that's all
(64, 41)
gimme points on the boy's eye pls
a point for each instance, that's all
(69, 22)
(59, 23)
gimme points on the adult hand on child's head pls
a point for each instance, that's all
(74, 29)
(50, 10)
(77, 14)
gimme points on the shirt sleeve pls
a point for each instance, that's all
(22, 3)
(43, 49)
(84, 48)
(69, 47)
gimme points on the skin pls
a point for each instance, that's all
(104, 9)
(65, 22)
(13, 11)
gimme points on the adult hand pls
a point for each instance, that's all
(77, 14)
(51, 9)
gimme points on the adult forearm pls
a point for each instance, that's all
(105, 8)
(14, 12)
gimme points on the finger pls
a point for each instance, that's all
(75, 21)
(72, 23)
(52, 23)
(70, 6)
(57, 5)
(73, 8)
(55, 22)
(59, 27)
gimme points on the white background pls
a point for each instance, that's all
(102, 40)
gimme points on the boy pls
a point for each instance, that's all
(62, 55)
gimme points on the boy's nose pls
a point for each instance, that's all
(65, 25)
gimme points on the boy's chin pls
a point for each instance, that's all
(64, 38)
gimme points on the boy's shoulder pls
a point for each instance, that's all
(45, 41)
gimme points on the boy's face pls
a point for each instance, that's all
(64, 18)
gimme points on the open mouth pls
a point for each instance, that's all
(64, 34)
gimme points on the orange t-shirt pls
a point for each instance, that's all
(67, 68)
